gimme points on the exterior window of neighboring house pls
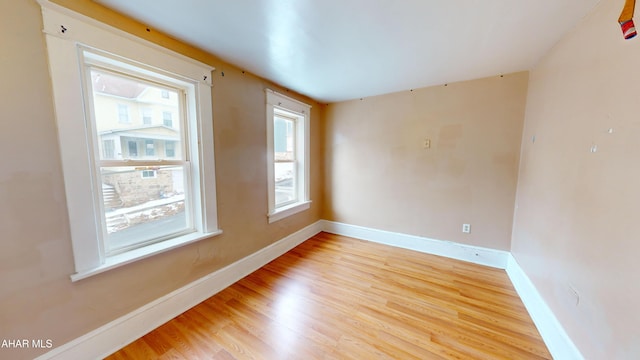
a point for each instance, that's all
(127, 207)
(288, 155)
(148, 174)
(133, 149)
(147, 116)
(170, 149)
(123, 114)
(167, 118)
(108, 147)
(149, 148)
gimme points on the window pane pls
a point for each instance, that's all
(142, 204)
(170, 149)
(133, 148)
(149, 148)
(123, 114)
(285, 183)
(147, 116)
(123, 108)
(167, 118)
(108, 150)
(283, 139)
(148, 173)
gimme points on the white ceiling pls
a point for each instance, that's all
(333, 50)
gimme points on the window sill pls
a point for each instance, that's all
(128, 257)
(289, 210)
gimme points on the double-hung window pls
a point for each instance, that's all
(127, 200)
(288, 155)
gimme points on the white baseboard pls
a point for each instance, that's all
(558, 342)
(111, 337)
(552, 332)
(474, 254)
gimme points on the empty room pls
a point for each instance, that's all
(355, 179)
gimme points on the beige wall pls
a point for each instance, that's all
(380, 175)
(37, 297)
(577, 211)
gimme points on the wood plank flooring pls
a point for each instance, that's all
(334, 297)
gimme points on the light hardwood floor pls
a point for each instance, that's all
(334, 297)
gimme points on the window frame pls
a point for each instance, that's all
(67, 33)
(278, 104)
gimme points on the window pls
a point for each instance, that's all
(169, 149)
(146, 174)
(127, 207)
(133, 149)
(108, 148)
(149, 148)
(123, 114)
(284, 159)
(147, 116)
(164, 94)
(167, 118)
(288, 155)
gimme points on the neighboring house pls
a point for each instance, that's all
(138, 122)
(135, 121)
(149, 141)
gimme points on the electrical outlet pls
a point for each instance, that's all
(466, 228)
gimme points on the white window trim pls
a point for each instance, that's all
(65, 31)
(277, 101)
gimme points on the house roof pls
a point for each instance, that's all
(115, 85)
